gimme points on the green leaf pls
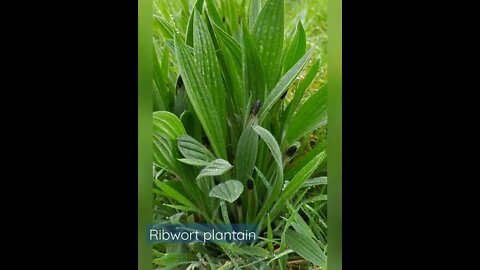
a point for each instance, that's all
(255, 251)
(206, 59)
(315, 182)
(228, 191)
(300, 178)
(310, 116)
(253, 12)
(253, 72)
(214, 168)
(189, 35)
(272, 145)
(296, 183)
(194, 162)
(174, 194)
(166, 29)
(283, 84)
(168, 124)
(192, 149)
(294, 168)
(166, 127)
(264, 180)
(296, 49)
(270, 234)
(232, 55)
(171, 259)
(246, 155)
(292, 106)
(229, 43)
(164, 154)
(268, 35)
(201, 98)
(300, 225)
(213, 13)
(305, 247)
(161, 96)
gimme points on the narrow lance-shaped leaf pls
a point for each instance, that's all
(174, 194)
(272, 145)
(229, 42)
(292, 106)
(253, 12)
(189, 35)
(310, 115)
(206, 59)
(268, 35)
(296, 49)
(283, 84)
(213, 13)
(246, 155)
(228, 191)
(162, 99)
(305, 246)
(253, 72)
(296, 183)
(200, 98)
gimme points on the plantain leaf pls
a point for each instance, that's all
(194, 162)
(168, 124)
(296, 183)
(315, 182)
(214, 168)
(166, 127)
(166, 29)
(272, 145)
(268, 35)
(310, 116)
(253, 12)
(228, 42)
(228, 191)
(206, 58)
(296, 49)
(294, 168)
(300, 225)
(189, 35)
(300, 178)
(305, 246)
(161, 97)
(174, 194)
(213, 13)
(164, 154)
(246, 155)
(283, 84)
(192, 149)
(253, 72)
(200, 98)
(292, 106)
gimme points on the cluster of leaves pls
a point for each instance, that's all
(229, 145)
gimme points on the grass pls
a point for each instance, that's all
(240, 129)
